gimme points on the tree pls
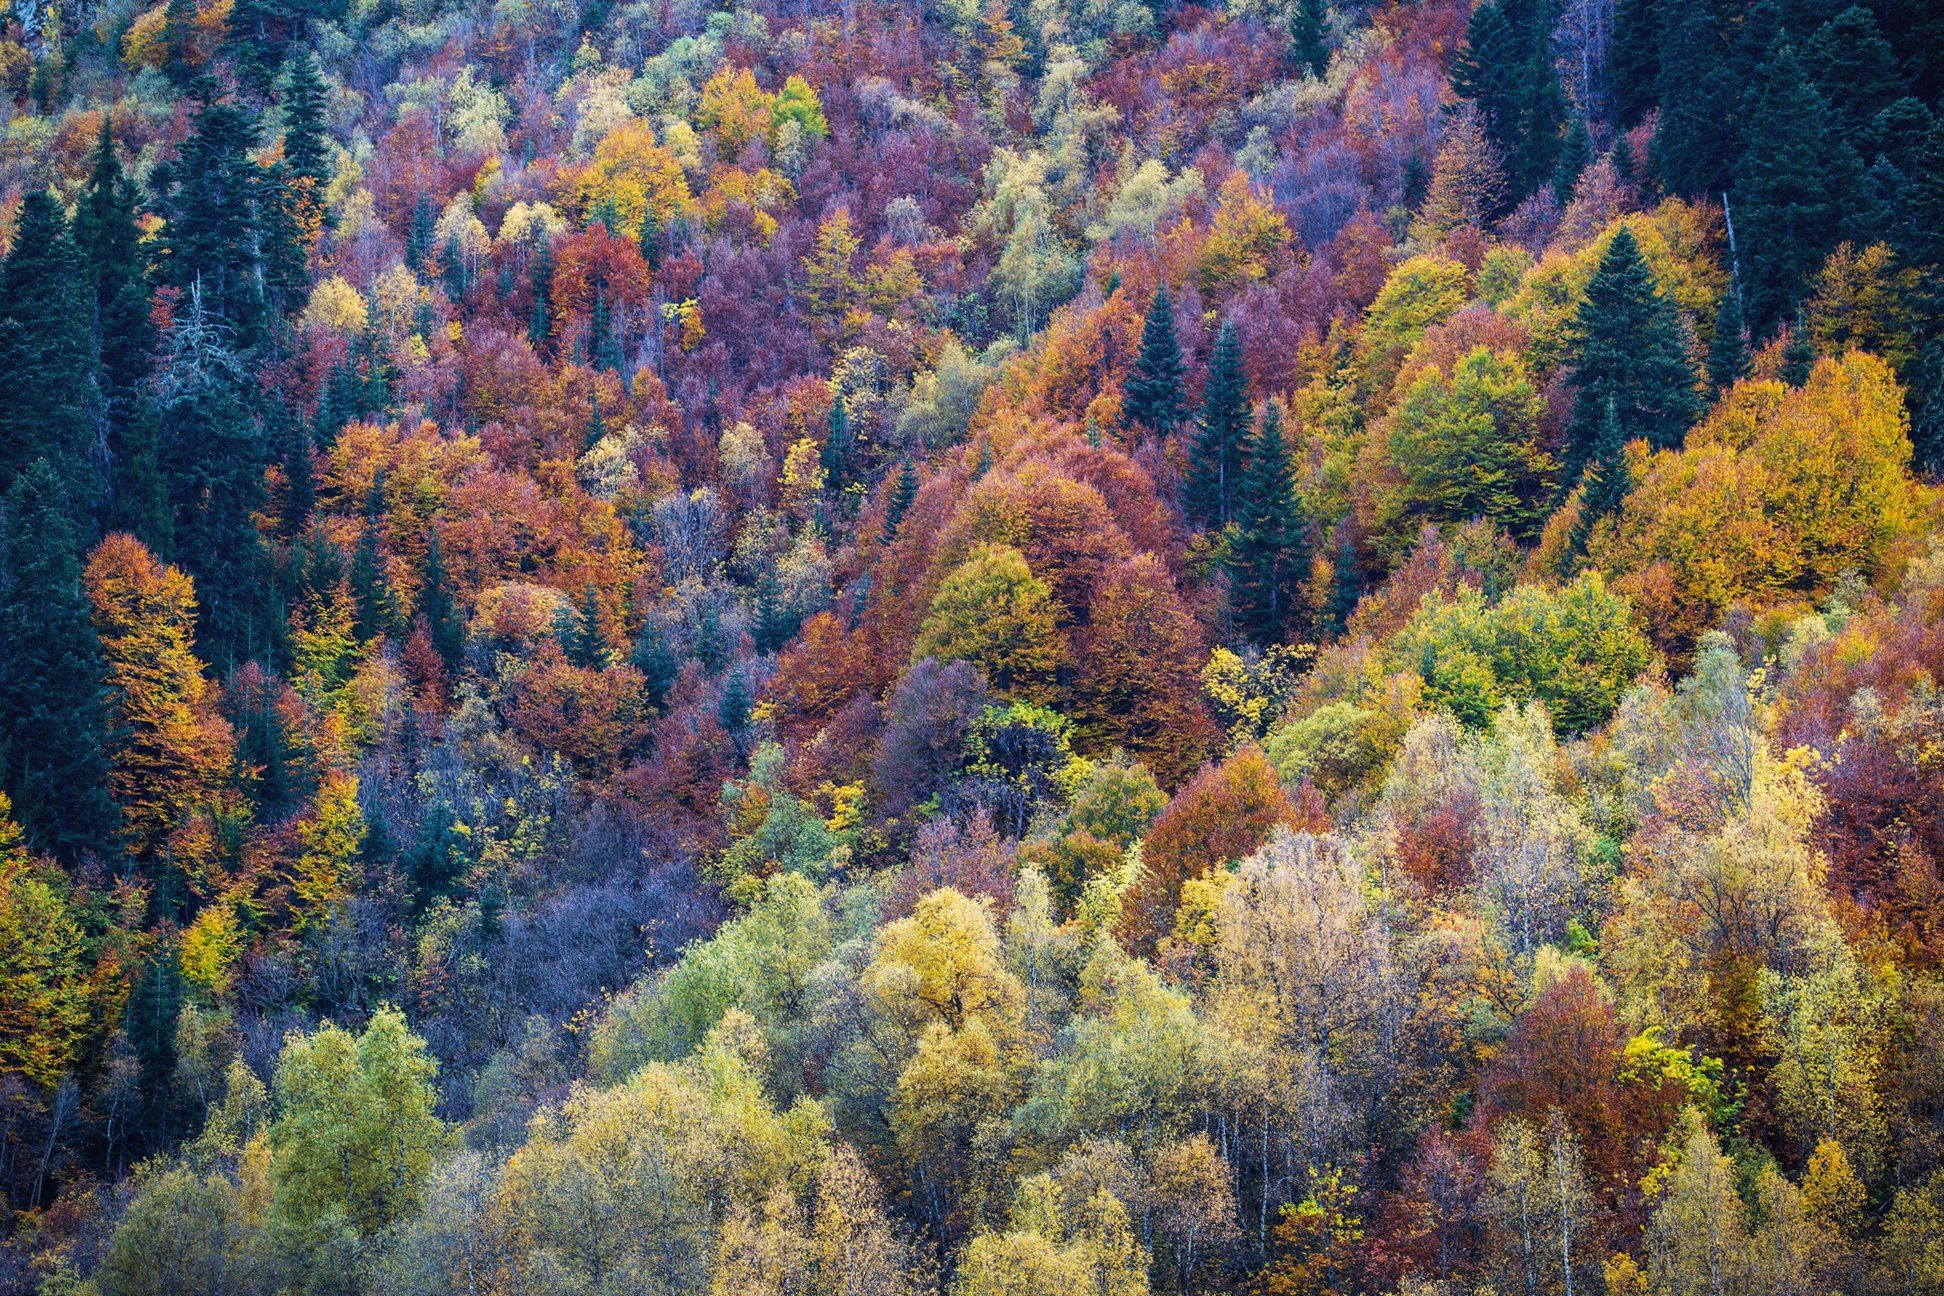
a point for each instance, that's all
(444, 620)
(48, 995)
(1269, 560)
(52, 712)
(306, 142)
(1318, 1240)
(357, 1132)
(171, 748)
(1604, 484)
(1215, 457)
(1467, 443)
(1152, 395)
(1728, 349)
(1790, 185)
(46, 377)
(1467, 180)
(1630, 351)
(184, 1234)
(1136, 686)
(1698, 1241)
(1506, 68)
(1309, 36)
(993, 612)
(212, 232)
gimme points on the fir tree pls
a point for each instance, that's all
(418, 234)
(903, 493)
(656, 661)
(1574, 154)
(1215, 458)
(579, 632)
(1798, 356)
(443, 620)
(212, 231)
(1152, 396)
(306, 146)
(1631, 352)
(1270, 557)
(1506, 68)
(1309, 36)
(540, 277)
(835, 456)
(300, 479)
(46, 354)
(179, 40)
(1857, 72)
(250, 41)
(1633, 59)
(375, 606)
(1696, 143)
(732, 709)
(1793, 187)
(52, 712)
(1346, 582)
(1605, 483)
(1728, 351)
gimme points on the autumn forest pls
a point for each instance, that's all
(972, 648)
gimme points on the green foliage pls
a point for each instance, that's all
(1153, 397)
(1576, 649)
(1631, 353)
(1215, 457)
(1468, 445)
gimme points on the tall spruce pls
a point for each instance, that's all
(1605, 484)
(1631, 352)
(1309, 36)
(52, 708)
(1794, 187)
(212, 233)
(1153, 396)
(1698, 90)
(444, 621)
(306, 143)
(1269, 559)
(1215, 457)
(1728, 350)
(1506, 69)
(904, 492)
(46, 354)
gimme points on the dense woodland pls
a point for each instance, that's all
(972, 647)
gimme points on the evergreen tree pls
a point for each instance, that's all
(903, 493)
(52, 709)
(418, 234)
(1633, 59)
(213, 454)
(657, 662)
(1574, 154)
(106, 232)
(443, 619)
(1309, 36)
(1857, 72)
(1793, 187)
(1152, 395)
(306, 145)
(300, 479)
(46, 354)
(1728, 351)
(540, 277)
(579, 633)
(1346, 582)
(179, 40)
(1269, 560)
(1215, 458)
(375, 606)
(252, 44)
(1506, 68)
(1605, 483)
(212, 231)
(1798, 356)
(732, 709)
(1698, 91)
(836, 454)
(1631, 352)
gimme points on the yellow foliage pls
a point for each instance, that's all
(336, 307)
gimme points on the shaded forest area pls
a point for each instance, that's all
(972, 648)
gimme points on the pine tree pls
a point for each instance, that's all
(1270, 557)
(1309, 36)
(540, 276)
(903, 494)
(1631, 352)
(1798, 356)
(443, 619)
(1793, 186)
(1152, 396)
(52, 705)
(579, 632)
(1215, 458)
(46, 354)
(656, 661)
(306, 146)
(1698, 93)
(1728, 351)
(371, 592)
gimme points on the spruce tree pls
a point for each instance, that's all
(540, 278)
(1633, 59)
(306, 145)
(1698, 90)
(656, 661)
(212, 232)
(443, 620)
(1215, 458)
(1631, 352)
(1152, 396)
(179, 40)
(1728, 351)
(1506, 68)
(1798, 355)
(1605, 484)
(1309, 36)
(1346, 582)
(418, 234)
(579, 631)
(1857, 72)
(375, 606)
(903, 493)
(1793, 189)
(1270, 557)
(52, 709)
(46, 354)
(1574, 154)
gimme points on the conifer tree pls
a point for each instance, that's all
(1728, 351)
(371, 593)
(1631, 352)
(1270, 557)
(540, 276)
(903, 493)
(579, 632)
(306, 146)
(443, 619)
(52, 704)
(1605, 483)
(1215, 458)
(1698, 94)
(1798, 356)
(656, 661)
(1309, 36)
(1152, 396)
(178, 40)
(1793, 188)
(46, 360)
(1574, 154)
(1346, 582)
(1506, 68)
(212, 228)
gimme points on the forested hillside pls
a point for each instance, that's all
(972, 648)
